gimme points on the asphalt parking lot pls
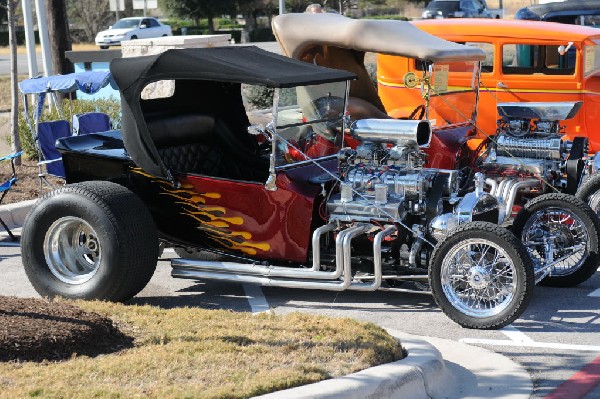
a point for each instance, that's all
(556, 337)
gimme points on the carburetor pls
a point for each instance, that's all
(383, 178)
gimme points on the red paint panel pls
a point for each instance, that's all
(281, 218)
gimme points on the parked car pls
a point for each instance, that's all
(575, 12)
(281, 205)
(526, 62)
(131, 29)
(456, 9)
(526, 166)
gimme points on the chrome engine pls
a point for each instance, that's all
(528, 149)
(529, 141)
(384, 180)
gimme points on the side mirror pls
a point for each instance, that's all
(562, 50)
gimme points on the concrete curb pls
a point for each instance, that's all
(14, 214)
(434, 368)
(422, 374)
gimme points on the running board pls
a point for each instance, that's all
(279, 276)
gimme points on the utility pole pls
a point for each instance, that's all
(29, 38)
(281, 7)
(40, 10)
(15, 140)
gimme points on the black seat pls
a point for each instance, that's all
(199, 144)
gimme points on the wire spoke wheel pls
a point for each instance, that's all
(72, 250)
(552, 234)
(560, 233)
(478, 278)
(481, 276)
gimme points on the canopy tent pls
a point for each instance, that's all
(88, 82)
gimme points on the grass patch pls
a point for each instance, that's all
(5, 104)
(197, 353)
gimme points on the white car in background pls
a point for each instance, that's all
(131, 29)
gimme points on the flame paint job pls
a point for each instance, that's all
(235, 216)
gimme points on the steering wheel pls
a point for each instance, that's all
(419, 110)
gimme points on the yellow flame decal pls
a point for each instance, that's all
(211, 219)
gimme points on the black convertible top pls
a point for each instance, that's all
(224, 64)
(207, 83)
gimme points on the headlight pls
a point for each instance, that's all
(426, 14)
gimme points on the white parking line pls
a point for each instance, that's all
(595, 293)
(256, 298)
(519, 339)
(533, 344)
(515, 335)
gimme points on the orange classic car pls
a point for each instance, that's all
(526, 61)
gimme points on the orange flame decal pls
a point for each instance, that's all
(211, 219)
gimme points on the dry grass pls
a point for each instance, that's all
(5, 104)
(206, 354)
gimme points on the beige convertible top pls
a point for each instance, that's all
(297, 32)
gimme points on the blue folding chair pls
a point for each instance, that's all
(50, 158)
(91, 122)
(4, 187)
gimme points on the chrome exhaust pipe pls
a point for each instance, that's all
(359, 286)
(512, 195)
(274, 275)
(277, 271)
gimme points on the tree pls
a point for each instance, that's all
(60, 40)
(196, 9)
(90, 15)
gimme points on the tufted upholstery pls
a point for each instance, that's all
(199, 144)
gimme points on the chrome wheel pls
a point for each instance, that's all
(594, 202)
(72, 250)
(478, 278)
(557, 237)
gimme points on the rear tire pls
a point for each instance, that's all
(481, 276)
(92, 240)
(133, 37)
(563, 221)
(589, 192)
(103, 47)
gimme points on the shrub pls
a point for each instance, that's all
(69, 107)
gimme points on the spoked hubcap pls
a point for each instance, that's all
(554, 235)
(72, 250)
(478, 278)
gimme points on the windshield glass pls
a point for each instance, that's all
(444, 6)
(452, 92)
(310, 119)
(126, 23)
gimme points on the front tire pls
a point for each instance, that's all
(555, 226)
(92, 240)
(481, 276)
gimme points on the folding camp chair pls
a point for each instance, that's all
(4, 187)
(91, 122)
(50, 158)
